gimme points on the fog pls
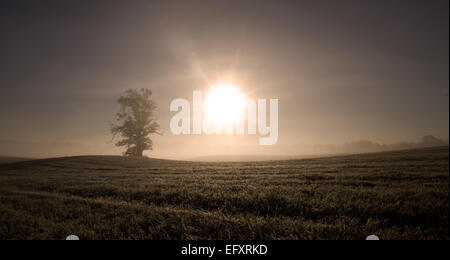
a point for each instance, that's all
(343, 72)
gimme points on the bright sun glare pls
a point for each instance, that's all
(224, 105)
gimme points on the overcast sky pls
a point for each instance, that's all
(342, 70)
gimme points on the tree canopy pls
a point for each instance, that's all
(135, 122)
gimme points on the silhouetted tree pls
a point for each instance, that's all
(135, 122)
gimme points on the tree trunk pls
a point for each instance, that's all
(139, 151)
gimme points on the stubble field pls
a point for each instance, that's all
(394, 195)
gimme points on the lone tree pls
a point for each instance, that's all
(135, 122)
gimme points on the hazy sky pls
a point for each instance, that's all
(342, 70)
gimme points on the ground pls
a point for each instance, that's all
(394, 195)
(9, 159)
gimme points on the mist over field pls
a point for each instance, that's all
(343, 72)
(232, 152)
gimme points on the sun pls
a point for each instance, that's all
(224, 105)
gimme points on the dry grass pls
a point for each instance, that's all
(397, 195)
